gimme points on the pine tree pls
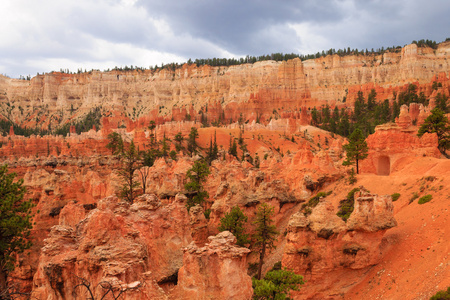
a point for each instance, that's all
(179, 140)
(152, 127)
(437, 123)
(15, 222)
(356, 149)
(197, 175)
(115, 143)
(192, 144)
(265, 233)
(371, 100)
(277, 284)
(213, 151)
(234, 222)
(164, 146)
(232, 150)
(130, 163)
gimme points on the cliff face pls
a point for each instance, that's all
(116, 243)
(216, 271)
(323, 247)
(255, 90)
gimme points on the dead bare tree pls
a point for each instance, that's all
(12, 292)
(116, 290)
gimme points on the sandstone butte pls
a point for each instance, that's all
(155, 249)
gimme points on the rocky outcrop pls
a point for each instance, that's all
(117, 243)
(216, 271)
(323, 247)
(391, 146)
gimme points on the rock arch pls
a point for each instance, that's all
(384, 166)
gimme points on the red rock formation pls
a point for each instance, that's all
(216, 271)
(199, 225)
(390, 147)
(324, 248)
(116, 242)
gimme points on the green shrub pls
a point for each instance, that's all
(276, 266)
(276, 285)
(425, 199)
(173, 155)
(395, 196)
(430, 178)
(352, 178)
(307, 207)
(207, 213)
(442, 295)
(347, 205)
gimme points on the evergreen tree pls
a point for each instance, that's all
(234, 222)
(371, 100)
(152, 127)
(213, 151)
(343, 127)
(265, 233)
(130, 163)
(356, 149)
(15, 222)
(197, 175)
(437, 123)
(192, 144)
(277, 284)
(147, 159)
(178, 141)
(441, 102)
(164, 146)
(232, 150)
(115, 143)
(360, 107)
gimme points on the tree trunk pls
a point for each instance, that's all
(357, 168)
(261, 260)
(3, 276)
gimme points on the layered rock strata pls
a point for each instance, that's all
(258, 91)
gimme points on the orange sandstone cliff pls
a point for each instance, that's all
(259, 91)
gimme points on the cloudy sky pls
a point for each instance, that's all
(45, 35)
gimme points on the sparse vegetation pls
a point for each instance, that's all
(395, 196)
(425, 199)
(442, 295)
(90, 120)
(347, 205)
(414, 196)
(351, 177)
(313, 201)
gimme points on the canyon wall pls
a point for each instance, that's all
(324, 248)
(258, 91)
